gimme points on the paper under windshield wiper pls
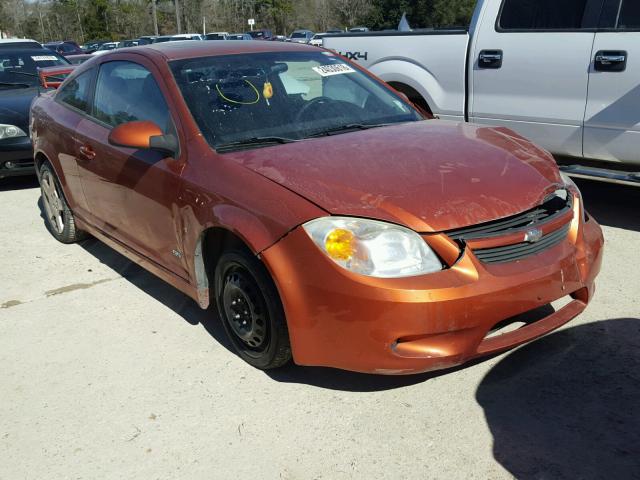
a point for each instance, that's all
(254, 142)
(349, 127)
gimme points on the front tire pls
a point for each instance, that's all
(251, 311)
(58, 216)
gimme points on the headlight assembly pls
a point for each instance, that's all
(373, 248)
(10, 131)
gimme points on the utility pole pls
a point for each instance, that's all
(178, 19)
(154, 14)
(79, 22)
(44, 39)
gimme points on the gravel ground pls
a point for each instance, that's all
(107, 372)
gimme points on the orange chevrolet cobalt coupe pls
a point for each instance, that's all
(328, 220)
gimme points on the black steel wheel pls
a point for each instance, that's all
(251, 311)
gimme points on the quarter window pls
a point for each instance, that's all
(127, 92)
(76, 92)
(629, 15)
(542, 14)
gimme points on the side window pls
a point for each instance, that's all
(542, 14)
(629, 18)
(127, 92)
(76, 92)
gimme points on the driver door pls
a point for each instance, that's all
(130, 193)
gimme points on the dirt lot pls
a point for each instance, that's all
(106, 372)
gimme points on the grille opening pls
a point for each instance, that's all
(553, 207)
(519, 321)
(510, 253)
(527, 318)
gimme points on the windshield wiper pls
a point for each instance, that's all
(29, 74)
(349, 127)
(253, 142)
(9, 84)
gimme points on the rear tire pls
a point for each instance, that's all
(251, 311)
(58, 216)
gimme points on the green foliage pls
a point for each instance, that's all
(386, 14)
(84, 20)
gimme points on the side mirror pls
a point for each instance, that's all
(143, 135)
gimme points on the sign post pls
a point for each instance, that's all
(251, 23)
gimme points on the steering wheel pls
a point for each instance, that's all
(311, 103)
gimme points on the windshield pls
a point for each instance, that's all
(21, 67)
(287, 95)
(298, 35)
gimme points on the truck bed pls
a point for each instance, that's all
(420, 60)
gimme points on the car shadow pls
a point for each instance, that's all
(568, 405)
(611, 204)
(185, 307)
(158, 289)
(19, 183)
(334, 379)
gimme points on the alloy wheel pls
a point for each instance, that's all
(53, 203)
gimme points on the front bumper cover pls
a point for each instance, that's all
(417, 324)
(16, 157)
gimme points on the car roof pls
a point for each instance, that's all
(16, 40)
(183, 50)
(31, 51)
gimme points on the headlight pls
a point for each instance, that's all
(10, 131)
(373, 248)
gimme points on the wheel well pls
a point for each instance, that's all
(39, 159)
(413, 95)
(214, 242)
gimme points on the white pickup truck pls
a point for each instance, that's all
(563, 73)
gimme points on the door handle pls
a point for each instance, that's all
(610, 61)
(87, 152)
(490, 59)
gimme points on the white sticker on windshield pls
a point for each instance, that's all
(44, 58)
(335, 69)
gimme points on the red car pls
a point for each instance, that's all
(324, 216)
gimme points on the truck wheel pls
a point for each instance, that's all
(58, 216)
(251, 311)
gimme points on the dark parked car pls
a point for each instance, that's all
(301, 36)
(260, 34)
(19, 83)
(92, 46)
(78, 59)
(239, 36)
(129, 43)
(216, 36)
(65, 48)
(163, 38)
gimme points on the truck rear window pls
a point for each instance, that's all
(629, 15)
(542, 14)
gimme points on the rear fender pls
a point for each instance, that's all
(417, 77)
